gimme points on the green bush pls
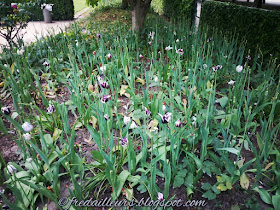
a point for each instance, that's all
(62, 9)
(180, 9)
(260, 28)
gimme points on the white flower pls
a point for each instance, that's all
(204, 66)
(194, 120)
(103, 68)
(133, 125)
(26, 136)
(239, 68)
(11, 169)
(152, 34)
(27, 127)
(160, 196)
(177, 40)
(20, 51)
(29, 160)
(168, 48)
(126, 120)
(231, 82)
(163, 108)
(156, 79)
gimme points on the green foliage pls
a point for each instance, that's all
(180, 9)
(260, 28)
(92, 2)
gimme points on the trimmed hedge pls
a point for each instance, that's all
(62, 9)
(180, 9)
(260, 28)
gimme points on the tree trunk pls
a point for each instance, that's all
(139, 10)
(258, 3)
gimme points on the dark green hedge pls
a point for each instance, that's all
(62, 9)
(260, 28)
(180, 9)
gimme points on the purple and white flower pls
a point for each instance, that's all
(6, 110)
(152, 34)
(27, 127)
(147, 112)
(156, 79)
(165, 118)
(104, 84)
(51, 109)
(150, 43)
(164, 108)
(141, 56)
(11, 169)
(124, 141)
(46, 64)
(98, 36)
(107, 117)
(105, 98)
(160, 196)
(178, 123)
(249, 57)
(180, 51)
(109, 56)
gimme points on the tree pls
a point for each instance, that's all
(139, 9)
(124, 4)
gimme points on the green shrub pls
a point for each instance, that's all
(180, 9)
(260, 28)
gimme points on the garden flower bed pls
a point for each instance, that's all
(99, 112)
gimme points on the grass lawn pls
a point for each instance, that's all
(79, 5)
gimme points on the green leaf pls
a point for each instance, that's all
(178, 181)
(120, 182)
(209, 195)
(48, 139)
(223, 101)
(206, 186)
(264, 195)
(220, 179)
(231, 150)
(276, 201)
(56, 134)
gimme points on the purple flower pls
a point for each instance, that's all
(141, 56)
(98, 36)
(105, 98)
(104, 84)
(124, 141)
(150, 43)
(27, 127)
(219, 66)
(6, 110)
(180, 51)
(165, 118)
(51, 109)
(178, 123)
(147, 112)
(215, 68)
